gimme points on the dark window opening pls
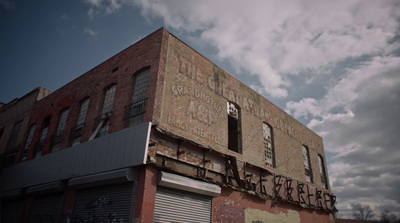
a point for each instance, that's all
(234, 128)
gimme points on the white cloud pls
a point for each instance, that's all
(103, 6)
(274, 40)
(363, 136)
(90, 31)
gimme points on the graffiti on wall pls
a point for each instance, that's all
(98, 211)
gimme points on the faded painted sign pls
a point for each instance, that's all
(195, 98)
(258, 216)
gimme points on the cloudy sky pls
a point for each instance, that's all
(333, 65)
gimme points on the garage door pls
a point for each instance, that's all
(46, 208)
(180, 206)
(104, 204)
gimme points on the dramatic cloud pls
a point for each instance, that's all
(363, 137)
(273, 40)
(342, 56)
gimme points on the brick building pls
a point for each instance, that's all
(158, 133)
(14, 118)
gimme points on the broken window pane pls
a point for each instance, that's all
(269, 153)
(322, 172)
(307, 165)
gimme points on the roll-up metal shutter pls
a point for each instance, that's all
(179, 206)
(46, 208)
(104, 204)
(12, 211)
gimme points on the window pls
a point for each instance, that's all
(78, 130)
(14, 136)
(28, 142)
(106, 111)
(269, 151)
(43, 135)
(234, 128)
(60, 130)
(1, 133)
(135, 111)
(108, 100)
(322, 172)
(307, 165)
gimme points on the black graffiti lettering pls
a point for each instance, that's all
(318, 198)
(301, 192)
(97, 213)
(289, 189)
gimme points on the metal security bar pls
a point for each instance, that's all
(135, 108)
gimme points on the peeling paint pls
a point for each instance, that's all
(258, 216)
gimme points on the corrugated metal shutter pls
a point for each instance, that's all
(46, 208)
(104, 204)
(12, 211)
(178, 206)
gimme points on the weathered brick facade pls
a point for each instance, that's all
(187, 104)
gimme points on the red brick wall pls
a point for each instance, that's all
(145, 53)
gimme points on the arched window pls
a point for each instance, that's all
(307, 164)
(322, 172)
(134, 112)
(43, 136)
(28, 142)
(14, 136)
(60, 130)
(234, 128)
(78, 130)
(268, 147)
(107, 110)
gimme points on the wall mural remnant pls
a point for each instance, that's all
(196, 93)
